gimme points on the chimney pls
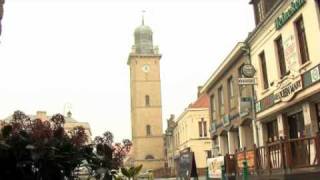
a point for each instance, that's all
(199, 89)
(42, 115)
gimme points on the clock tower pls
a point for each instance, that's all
(146, 108)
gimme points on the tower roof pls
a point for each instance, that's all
(143, 39)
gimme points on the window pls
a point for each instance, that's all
(213, 108)
(148, 130)
(209, 154)
(147, 100)
(281, 58)
(264, 71)
(202, 128)
(221, 100)
(272, 129)
(231, 93)
(303, 47)
(149, 157)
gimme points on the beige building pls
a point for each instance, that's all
(146, 107)
(285, 52)
(190, 133)
(231, 126)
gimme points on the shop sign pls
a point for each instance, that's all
(290, 53)
(311, 77)
(285, 16)
(226, 120)
(245, 106)
(246, 81)
(213, 127)
(214, 166)
(187, 166)
(315, 75)
(287, 92)
(248, 70)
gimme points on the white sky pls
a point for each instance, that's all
(57, 51)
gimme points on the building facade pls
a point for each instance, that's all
(231, 126)
(146, 107)
(190, 133)
(284, 50)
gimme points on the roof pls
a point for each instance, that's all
(201, 102)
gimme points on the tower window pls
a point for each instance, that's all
(148, 130)
(149, 157)
(147, 100)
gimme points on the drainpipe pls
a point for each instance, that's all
(247, 52)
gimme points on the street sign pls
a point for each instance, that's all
(247, 81)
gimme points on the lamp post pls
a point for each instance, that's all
(249, 71)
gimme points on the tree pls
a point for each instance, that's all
(109, 155)
(36, 149)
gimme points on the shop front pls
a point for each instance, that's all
(289, 124)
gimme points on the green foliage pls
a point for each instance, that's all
(32, 149)
(36, 149)
(131, 172)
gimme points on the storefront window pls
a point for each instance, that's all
(318, 113)
(272, 129)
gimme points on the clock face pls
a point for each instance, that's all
(146, 68)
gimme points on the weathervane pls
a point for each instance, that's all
(143, 11)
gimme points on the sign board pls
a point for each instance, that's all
(214, 166)
(248, 156)
(213, 127)
(245, 106)
(226, 120)
(291, 55)
(296, 5)
(246, 81)
(287, 90)
(187, 166)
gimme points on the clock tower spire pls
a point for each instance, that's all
(146, 106)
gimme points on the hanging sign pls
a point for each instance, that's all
(248, 70)
(246, 81)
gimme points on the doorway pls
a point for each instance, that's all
(296, 125)
(299, 148)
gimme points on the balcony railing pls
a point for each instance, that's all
(285, 154)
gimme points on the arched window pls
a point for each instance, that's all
(147, 100)
(149, 157)
(148, 130)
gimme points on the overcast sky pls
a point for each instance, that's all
(54, 52)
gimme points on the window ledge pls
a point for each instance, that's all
(304, 66)
(264, 91)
